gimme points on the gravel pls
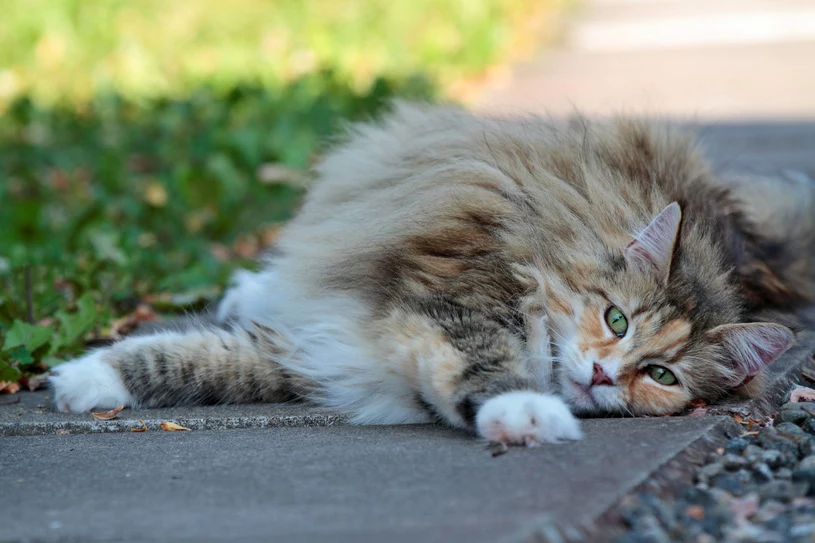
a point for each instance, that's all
(759, 487)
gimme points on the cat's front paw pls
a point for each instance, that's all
(526, 418)
(86, 383)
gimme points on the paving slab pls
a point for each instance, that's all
(34, 415)
(343, 483)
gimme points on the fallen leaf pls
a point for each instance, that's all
(7, 387)
(696, 512)
(142, 429)
(802, 394)
(272, 173)
(108, 415)
(739, 420)
(125, 325)
(32, 383)
(172, 427)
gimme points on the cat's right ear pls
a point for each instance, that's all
(752, 346)
(652, 249)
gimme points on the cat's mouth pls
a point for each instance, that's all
(582, 394)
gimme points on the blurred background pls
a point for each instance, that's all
(148, 148)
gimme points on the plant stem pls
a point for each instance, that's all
(29, 299)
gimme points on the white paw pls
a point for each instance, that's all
(88, 382)
(526, 418)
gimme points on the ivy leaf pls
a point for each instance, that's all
(26, 335)
(21, 355)
(8, 372)
(75, 326)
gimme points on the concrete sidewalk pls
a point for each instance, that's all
(401, 483)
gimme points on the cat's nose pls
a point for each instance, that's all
(600, 377)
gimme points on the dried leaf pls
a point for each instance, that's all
(142, 429)
(7, 387)
(696, 512)
(32, 383)
(108, 415)
(739, 420)
(172, 427)
(272, 173)
(802, 394)
(125, 325)
(698, 412)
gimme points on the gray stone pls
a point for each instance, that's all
(793, 416)
(736, 445)
(733, 462)
(789, 430)
(782, 491)
(773, 458)
(753, 454)
(762, 473)
(709, 471)
(783, 473)
(805, 472)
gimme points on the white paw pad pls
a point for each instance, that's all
(86, 383)
(526, 418)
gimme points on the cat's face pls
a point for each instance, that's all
(629, 341)
(616, 356)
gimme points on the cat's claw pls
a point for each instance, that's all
(86, 383)
(527, 418)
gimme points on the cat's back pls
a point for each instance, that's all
(433, 169)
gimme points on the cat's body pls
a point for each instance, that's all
(484, 271)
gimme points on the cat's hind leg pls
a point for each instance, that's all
(203, 365)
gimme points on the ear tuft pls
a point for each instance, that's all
(652, 250)
(753, 346)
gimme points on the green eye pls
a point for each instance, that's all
(662, 375)
(617, 321)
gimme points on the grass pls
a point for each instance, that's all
(148, 149)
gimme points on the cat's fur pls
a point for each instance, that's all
(447, 266)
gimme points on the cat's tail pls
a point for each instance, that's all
(782, 212)
(202, 365)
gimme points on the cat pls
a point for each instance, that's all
(500, 275)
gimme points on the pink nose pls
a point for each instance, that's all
(600, 377)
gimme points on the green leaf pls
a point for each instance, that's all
(21, 356)
(26, 335)
(75, 326)
(8, 372)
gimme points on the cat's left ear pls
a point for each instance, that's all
(652, 250)
(752, 346)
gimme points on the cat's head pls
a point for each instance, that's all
(648, 331)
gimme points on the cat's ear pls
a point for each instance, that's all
(752, 346)
(652, 250)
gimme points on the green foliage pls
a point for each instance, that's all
(75, 49)
(121, 201)
(133, 138)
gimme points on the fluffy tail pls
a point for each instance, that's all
(781, 211)
(197, 366)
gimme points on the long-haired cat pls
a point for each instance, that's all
(495, 274)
